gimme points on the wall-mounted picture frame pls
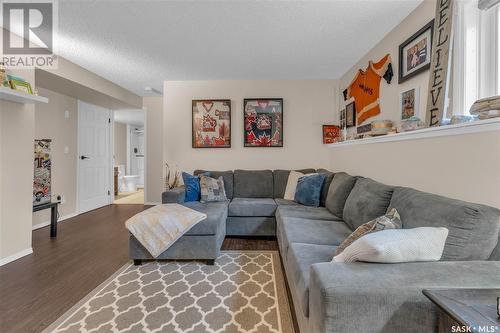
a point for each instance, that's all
(415, 53)
(331, 134)
(409, 103)
(42, 177)
(350, 115)
(263, 122)
(21, 86)
(342, 118)
(211, 123)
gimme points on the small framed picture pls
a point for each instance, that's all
(263, 122)
(331, 134)
(342, 118)
(21, 86)
(350, 114)
(415, 53)
(409, 102)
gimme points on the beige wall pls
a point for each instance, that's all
(154, 149)
(120, 141)
(465, 167)
(16, 175)
(50, 123)
(307, 105)
(390, 93)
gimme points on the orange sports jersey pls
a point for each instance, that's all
(365, 88)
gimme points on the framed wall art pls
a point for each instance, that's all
(211, 123)
(263, 122)
(415, 53)
(409, 103)
(42, 172)
(342, 118)
(350, 114)
(331, 134)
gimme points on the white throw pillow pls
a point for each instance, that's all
(397, 245)
(291, 185)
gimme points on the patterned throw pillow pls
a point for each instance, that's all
(390, 220)
(212, 190)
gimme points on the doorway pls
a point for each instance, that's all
(94, 157)
(129, 156)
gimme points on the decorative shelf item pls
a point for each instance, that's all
(11, 95)
(486, 125)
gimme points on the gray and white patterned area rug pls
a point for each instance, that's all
(243, 292)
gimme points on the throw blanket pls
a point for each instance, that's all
(159, 227)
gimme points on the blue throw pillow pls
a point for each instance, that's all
(308, 190)
(192, 184)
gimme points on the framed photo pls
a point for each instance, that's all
(415, 53)
(331, 134)
(21, 86)
(211, 123)
(342, 118)
(263, 122)
(409, 102)
(350, 114)
(42, 172)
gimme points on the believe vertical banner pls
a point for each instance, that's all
(440, 63)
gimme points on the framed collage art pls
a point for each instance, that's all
(211, 123)
(263, 122)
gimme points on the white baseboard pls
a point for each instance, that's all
(46, 223)
(152, 203)
(16, 256)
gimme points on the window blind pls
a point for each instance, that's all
(487, 4)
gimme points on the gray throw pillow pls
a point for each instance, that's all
(339, 191)
(212, 190)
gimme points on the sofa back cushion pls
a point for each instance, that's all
(326, 185)
(227, 176)
(339, 189)
(281, 178)
(473, 228)
(368, 200)
(253, 183)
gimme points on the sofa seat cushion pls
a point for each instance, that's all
(472, 228)
(285, 202)
(314, 213)
(216, 217)
(320, 232)
(252, 207)
(368, 200)
(299, 260)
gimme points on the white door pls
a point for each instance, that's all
(93, 157)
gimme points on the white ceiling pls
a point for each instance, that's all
(131, 117)
(142, 43)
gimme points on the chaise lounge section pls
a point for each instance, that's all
(346, 297)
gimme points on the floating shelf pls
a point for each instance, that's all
(486, 125)
(12, 95)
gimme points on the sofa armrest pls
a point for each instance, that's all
(366, 297)
(175, 195)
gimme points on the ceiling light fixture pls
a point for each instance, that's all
(153, 90)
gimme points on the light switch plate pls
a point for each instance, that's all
(66, 114)
(66, 149)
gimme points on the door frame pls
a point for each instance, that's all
(109, 158)
(127, 165)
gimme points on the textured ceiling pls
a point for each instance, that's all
(142, 43)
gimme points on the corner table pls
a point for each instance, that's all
(53, 215)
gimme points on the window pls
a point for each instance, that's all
(476, 54)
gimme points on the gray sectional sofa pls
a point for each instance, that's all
(341, 297)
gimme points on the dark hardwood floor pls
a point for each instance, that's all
(38, 289)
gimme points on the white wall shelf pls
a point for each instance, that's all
(486, 125)
(12, 95)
